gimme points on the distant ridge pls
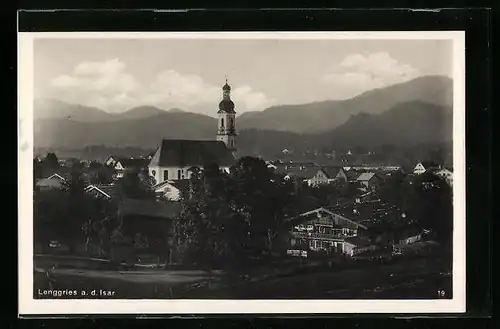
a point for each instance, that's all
(411, 112)
(326, 115)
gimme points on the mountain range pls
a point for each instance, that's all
(416, 111)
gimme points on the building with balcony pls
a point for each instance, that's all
(322, 230)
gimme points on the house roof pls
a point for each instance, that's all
(351, 174)
(429, 164)
(51, 183)
(94, 188)
(162, 184)
(133, 163)
(301, 172)
(149, 208)
(331, 171)
(109, 191)
(366, 176)
(301, 217)
(358, 241)
(368, 212)
(181, 153)
(56, 176)
(181, 184)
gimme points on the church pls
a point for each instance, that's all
(174, 159)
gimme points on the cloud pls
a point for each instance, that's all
(357, 73)
(109, 86)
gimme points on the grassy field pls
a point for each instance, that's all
(405, 279)
(417, 279)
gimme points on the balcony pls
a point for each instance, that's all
(317, 235)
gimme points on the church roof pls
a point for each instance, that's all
(226, 87)
(182, 153)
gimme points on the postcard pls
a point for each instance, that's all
(241, 172)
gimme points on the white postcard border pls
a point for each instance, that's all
(30, 306)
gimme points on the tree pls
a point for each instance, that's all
(131, 186)
(431, 205)
(263, 198)
(100, 174)
(75, 207)
(37, 169)
(100, 223)
(348, 190)
(147, 180)
(325, 195)
(224, 216)
(395, 189)
(206, 226)
(51, 161)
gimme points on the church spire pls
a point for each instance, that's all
(226, 130)
(226, 91)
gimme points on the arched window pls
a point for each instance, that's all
(222, 122)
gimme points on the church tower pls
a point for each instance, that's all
(226, 130)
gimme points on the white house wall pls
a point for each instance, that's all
(158, 173)
(169, 192)
(419, 169)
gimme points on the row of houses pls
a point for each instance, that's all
(167, 190)
(315, 175)
(364, 176)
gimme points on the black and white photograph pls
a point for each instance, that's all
(306, 172)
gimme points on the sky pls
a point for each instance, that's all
(118, 74)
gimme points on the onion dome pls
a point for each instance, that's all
(226, 105)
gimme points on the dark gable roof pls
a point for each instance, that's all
(111, 190)
(301, 172)
(182, 184)
(429, 164)
(181, 153)
(331, 171)
(368, 212)
(352, 174)
(133, 163)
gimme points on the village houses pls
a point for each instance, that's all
(424, 166)
(445, 174)
(368, 180)
(327, 175)
(54, 181)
